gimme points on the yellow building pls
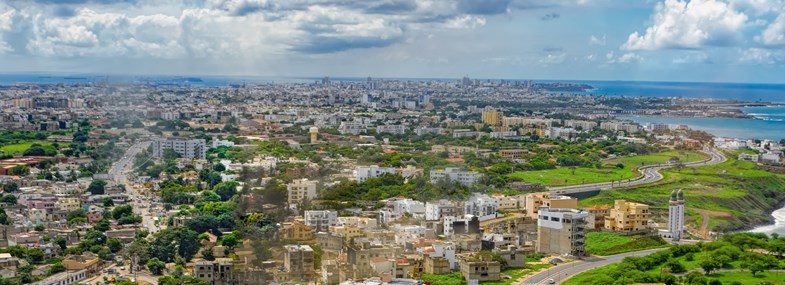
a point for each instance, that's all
(493, 118)
(628, 217)
(540, 132)
(536, 200)
(296, 231)
(348, 232)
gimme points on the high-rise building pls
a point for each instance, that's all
(561, 231)
(675, 216)
(628, 217)
(362, 173)
(300, 190)
(314, 133)
(196, 148)
(299, 262)
(493, 118)
(453, 175)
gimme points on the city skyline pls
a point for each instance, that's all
(671, 40)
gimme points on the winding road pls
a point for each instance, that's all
(650, 174)
(566, 270)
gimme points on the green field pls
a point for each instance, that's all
(733, 194)
(609, 243)
(19, 148)
(456, 279)
(734, 273)
(662, 157)
(563, 176)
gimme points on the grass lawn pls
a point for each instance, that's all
(19, 148)
(655, 158)
(456, 279)
(609, 243)
(563, 176)
(746, 278)
(736, 193)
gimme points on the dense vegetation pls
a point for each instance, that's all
(741, 258)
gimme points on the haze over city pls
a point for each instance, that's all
(699, 40)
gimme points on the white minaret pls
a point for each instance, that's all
(676, 215)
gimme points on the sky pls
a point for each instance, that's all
(649, 40)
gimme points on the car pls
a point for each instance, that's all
(551, 281)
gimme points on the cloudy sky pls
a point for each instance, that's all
(695, 40)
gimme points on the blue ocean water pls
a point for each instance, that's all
(749, 92)
(725, 127)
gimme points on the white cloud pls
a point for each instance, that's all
(629, 57)
(466, 22)
(774, 34)
(692, 57)
(761, 56)
(597, 41)
(689, 24)
(553, 59)
(6, 20)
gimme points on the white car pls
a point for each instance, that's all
(551, 281)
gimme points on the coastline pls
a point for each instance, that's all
(772, 220)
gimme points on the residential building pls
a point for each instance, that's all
(452, 174)
(480, 268)
(481, 206)
(321, 221)
(493, 118)
(299, 261)
(88, 261)
(512, 154)
(194, 149)
(352, 128)
(64, 278)
(561, 231)
(300, 190)
(628, 217)
(427, 131)
(440, 209)
(296, 230)
(217, 272)
(362, 173)
(536, 200)
(391, 129)
(597, 214)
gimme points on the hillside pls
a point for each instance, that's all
(723, 197)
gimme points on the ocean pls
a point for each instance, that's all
(771, 128)
(749, 92)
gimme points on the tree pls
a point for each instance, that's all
(121, 211)
(35, 150)
(96, 187)
(676, 267)
(226, 190)
(219, 167)
(102, 225)
(114, 245)
(108, 202)
(155, 266)
(8, 199)
(756, 262)
(208, 254)
(709, 264)
(20, 170)
(56, 268)
(4, 217)
(10, 187)
(174, 241)
(61, 242)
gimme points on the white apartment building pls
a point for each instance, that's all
(391, 129)
(453, 174)
(362, 173)
(196, 148)
(351, 128)
(482, 206)
(321, 221)
(300, 190)
(409, 206)
(585, 125)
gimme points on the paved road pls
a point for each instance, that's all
(143, 205)
(565, 271)
(650, 174)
